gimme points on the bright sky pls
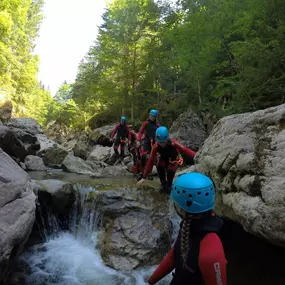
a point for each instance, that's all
(67, 32)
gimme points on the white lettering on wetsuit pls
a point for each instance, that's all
(218, 273)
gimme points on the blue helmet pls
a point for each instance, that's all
(193, 192)
(123, 119)
(153, 113)
(161, 134)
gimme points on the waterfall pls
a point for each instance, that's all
(71, 257)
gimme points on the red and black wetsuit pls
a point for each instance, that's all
(122, 131)
(147, 129)
(168, 161)
(206, 262)
(132, 140)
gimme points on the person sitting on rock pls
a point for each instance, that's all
(132, 146)
(170, 158)
(122, 131)
(197, 254)
(147, 130)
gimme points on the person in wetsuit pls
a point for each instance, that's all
(122, 131)
(197, 255)
(132, 146)
(170, 158)
(147, 129)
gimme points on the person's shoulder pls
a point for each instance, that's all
(211, 248)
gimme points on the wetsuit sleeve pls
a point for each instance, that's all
(212, 261)
(183, 149)
(150, 162)
(141, 131)
(164, 268)
(114, 131)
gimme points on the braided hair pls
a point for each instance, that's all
(185, 232)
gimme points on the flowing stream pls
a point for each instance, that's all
(72, 257)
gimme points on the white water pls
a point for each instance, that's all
(71, 258)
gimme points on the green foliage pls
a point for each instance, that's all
(216, 56)
(19, 26)
(220, 56)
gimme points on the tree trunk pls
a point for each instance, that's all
(199, 92)
(133, 84)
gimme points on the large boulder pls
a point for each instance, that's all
(25, 130)
(245, 155)
(102, 135)
(11, 145)
(23, 126)
(33, 162)
(83, 146)
(189, 130)
(59, 196)
(54, 157)
(17, 211)
(52, 153)
(80, 166)
(45, 143)
(6, 109)
(101, 153)
(136, 228)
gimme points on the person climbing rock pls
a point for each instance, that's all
(170, 158)
(197, 254)
(122, 131)
(147, 130)
(132, 146)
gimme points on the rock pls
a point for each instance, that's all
(58, 133)
(116, 170)
(17, 210)
(59, 196)
(102, 135)
(189, 130)
(23, 165)
(83, 146)
(69, 145)
(130, 166)
(54, 156)
(45, 143)
(245, 155)
(209, 120)
(25, 130)
(10, 144)
(25, 126)
(33, 162)
(52, 153)
(6, 111)
(80, 166)
(137, 228)
(100, 153)
(97, 175)
(127, 160)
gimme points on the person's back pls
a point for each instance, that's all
(197, 255)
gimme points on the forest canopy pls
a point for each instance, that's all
(216, 56)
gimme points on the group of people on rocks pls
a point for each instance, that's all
(197, 255)
(152, 139)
